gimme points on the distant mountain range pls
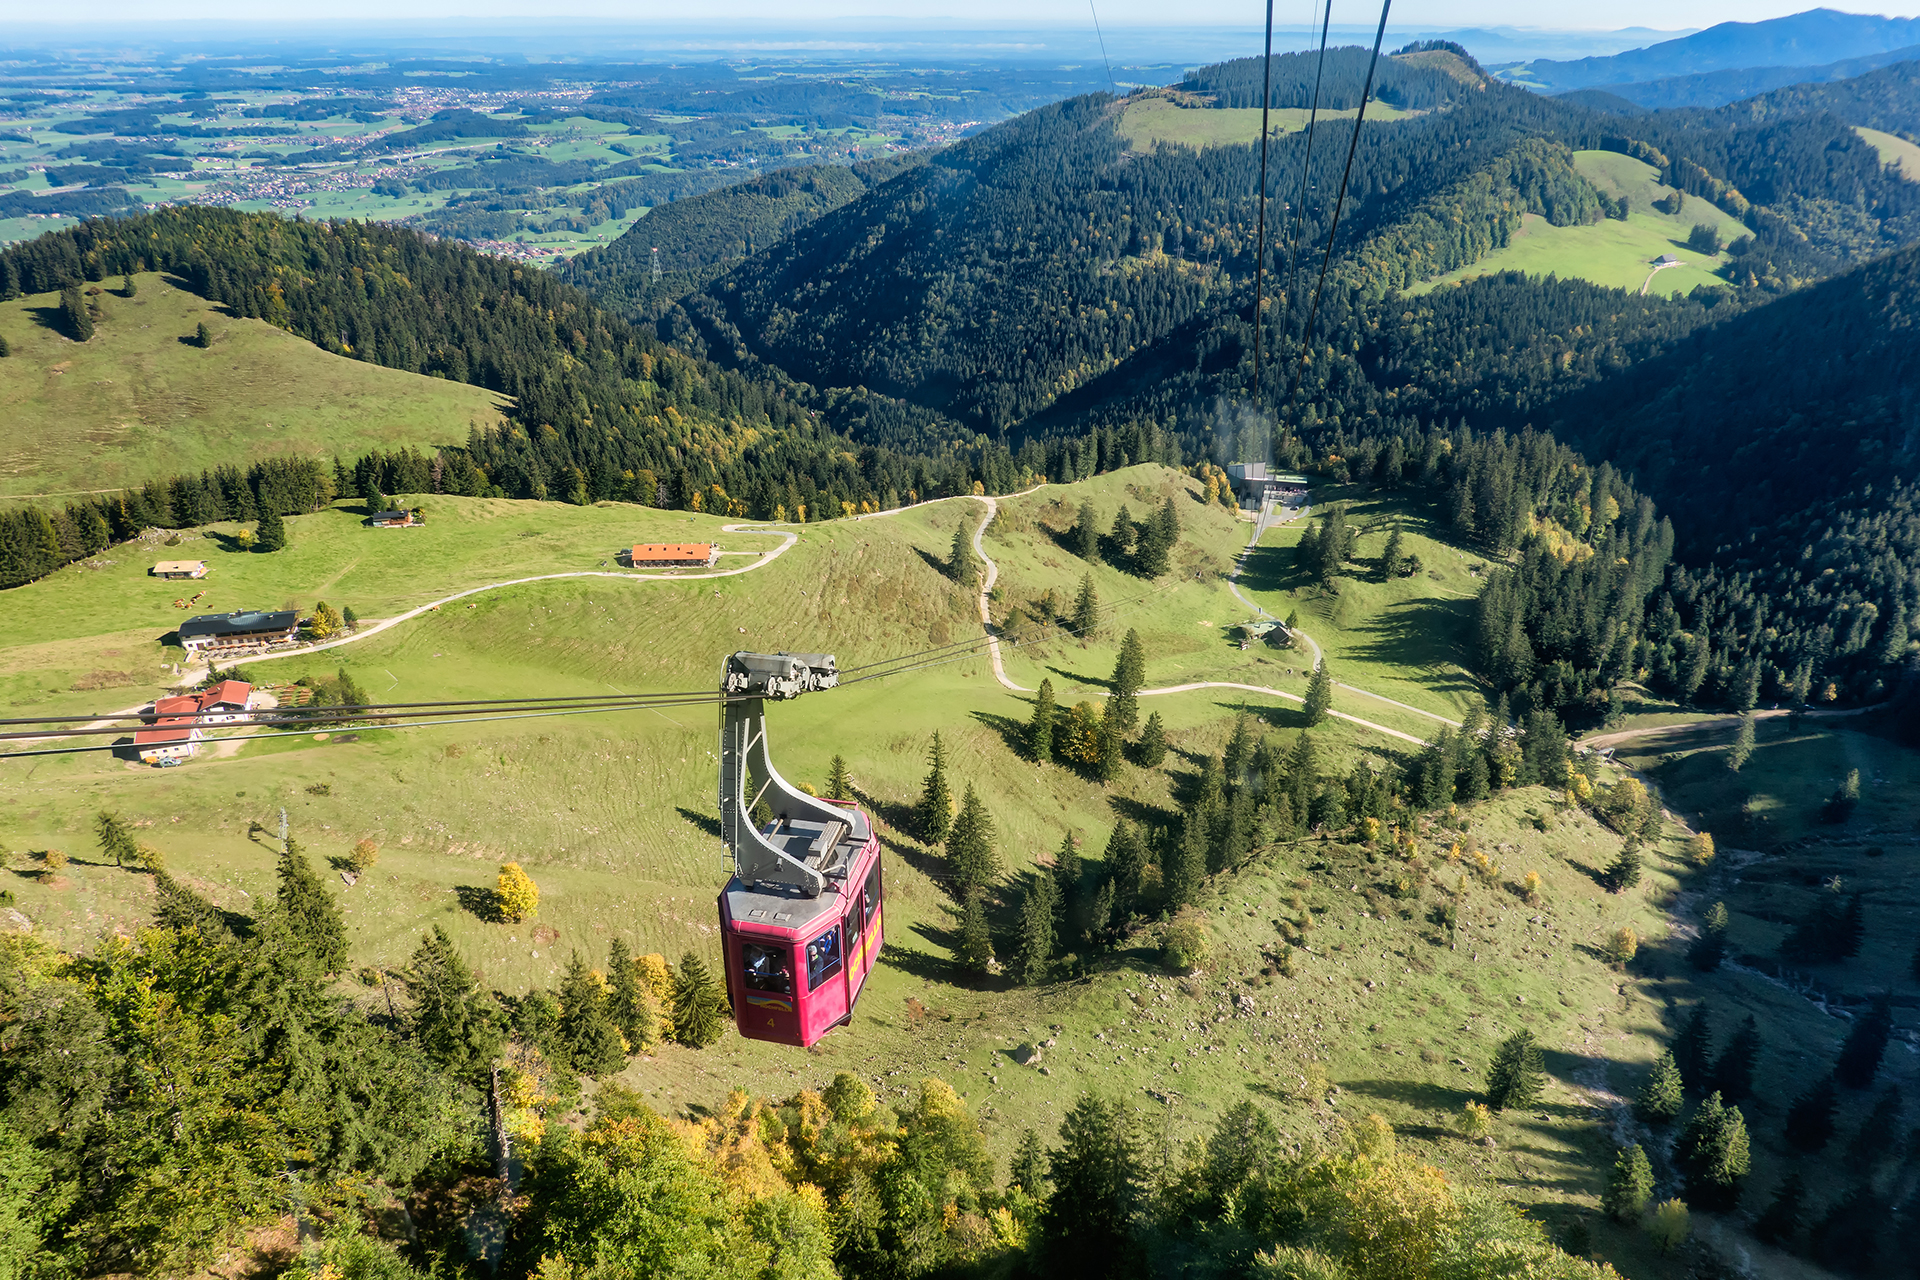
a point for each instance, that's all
(1718, 88)
(1813, 39)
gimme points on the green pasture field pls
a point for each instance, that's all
(101, 622)
(1405, 639)
(1894, 150)
(613, 816)
(137, 402)
(1149, 122)
(1618, 255)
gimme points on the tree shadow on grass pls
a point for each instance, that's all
(891, 813)
(1141, 813)
(936, 563)
(706, 822)
(480, 901)
(1012, 732)
(1413, 1093)
(1273, 569)
(1076, 677)
(928, 864)
(1421, 635)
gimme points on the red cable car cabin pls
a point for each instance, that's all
(800, 921)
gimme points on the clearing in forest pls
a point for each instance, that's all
(139, 401)
(1618, 255)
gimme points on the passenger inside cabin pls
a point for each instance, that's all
(766, 969)
(823, 958)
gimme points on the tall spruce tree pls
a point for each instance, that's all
(1085, 538)
(975, 952)
(1040, 727)
(1733, 1073)
(1709, 947)
(629, 1004)
(1629, 1186)
(593, 1042)
(1393, 560)
(1861, 1053)
(960, 562)
(453, 1021)
(933, 816)
(699, 1004)
(1129, 673)
(1086, 608)
(1319, 694)
(1028, 1172)
(1067, 869)
(1664, 1095)
(1237, 758)
(1088, 1225)
(271, 533)
(1151, 751)
(1625, 871)
(116, 838)
(1518, 1073)
(1693, 1048)
(1714, 1154)
(839, 781)
(1810, 1119)
(310, 913)
(971, 858)
(74, 316)
(1038, 906)
(1781, 1223)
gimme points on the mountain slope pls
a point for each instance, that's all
(1887, 99)
(698, 239)
(1813, 38)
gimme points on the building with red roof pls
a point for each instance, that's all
(673, 555)
(173, 723)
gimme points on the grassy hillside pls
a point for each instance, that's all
(611, 815)
(1894, 150)
(1148, 121)
(136, 402)
(1612, 253)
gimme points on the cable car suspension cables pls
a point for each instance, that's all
(1353, 145)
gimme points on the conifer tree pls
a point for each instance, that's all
(1086, 608)
(1066, 873)
(629, 1003)
(1040, 728)
(271, 533)
(1878, 1131)
(1733, 1074)
(1085, 538)
(74, 315)
(976, 937)
(971, 856)
(1238, 756)
(839, 781)
(1710, 947)
(1129, 673)
(1714, 1154)
(1394, 559)
(452, 1019)
(1810, 1119)
(1319, 694)
(1109, 746)
(1125, 865)
(1664, 1095)
(593, 1042)
(1781, 1223)
(1625, 871)
(1154, 553)
(1152, 749)
(310, 912)
(1692, 1050)
(933, 816)
(116, 838)
(960, 563)
(1629, 1186)
(1189, 863)
(1518, 1073)
(1098, 1177)
(1028, 1172)
(1037, 910)
(1860, 1056)
(699, 1004)
(202, 336)
(1123, 532)
(1742, 749)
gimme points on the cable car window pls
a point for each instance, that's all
(872, 895)
(823, 958)
(766, 968)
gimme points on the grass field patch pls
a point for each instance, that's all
(138, 402)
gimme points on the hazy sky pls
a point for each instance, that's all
(1661, 14)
